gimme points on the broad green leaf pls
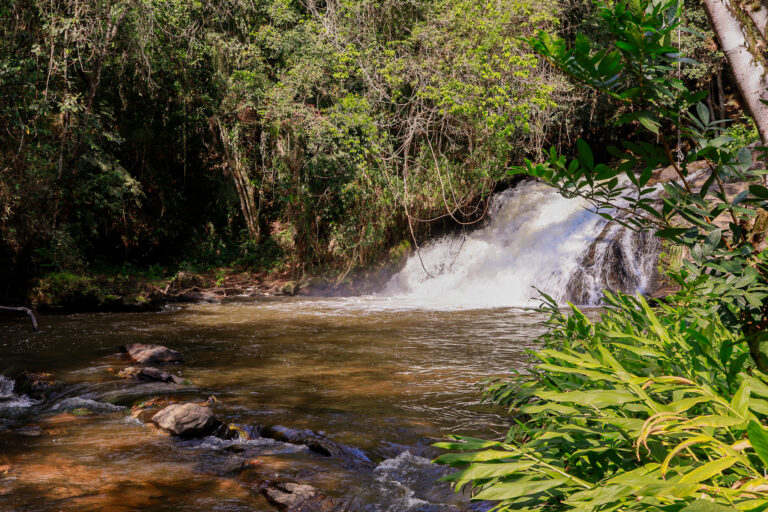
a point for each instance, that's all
(596, 398)
(648, 121)
(714, 421)
(683, 405)
(585, 154)
(709, 470)
(706, 506)
(469, 457)
(507, 490)
(740, 402)
(759, 191)
(758, 438)
(480, 471)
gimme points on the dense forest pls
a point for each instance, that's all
(291, 136)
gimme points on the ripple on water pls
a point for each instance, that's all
(381, 378)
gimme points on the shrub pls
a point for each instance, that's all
(644, 410)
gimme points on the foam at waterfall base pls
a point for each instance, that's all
(535, 239)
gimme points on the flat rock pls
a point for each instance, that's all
(186, 420)
(199, 296)
(149, 373)
(152, 354)
(293, 497)
(312, 440)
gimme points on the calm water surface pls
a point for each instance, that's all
(379, 378)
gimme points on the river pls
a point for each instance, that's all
(381, 379)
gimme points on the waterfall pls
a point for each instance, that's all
(6, 387)
(534, 238)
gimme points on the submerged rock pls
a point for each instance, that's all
(152, 354)
(143, 411)
(149, 373)
(80, 404)
(314, 286)
(187, 420)
(617, 260)
(35, 385)
(293, 497)
(312, 440)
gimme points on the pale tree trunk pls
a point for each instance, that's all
(746, 58)
(759, 16)
(245, 189)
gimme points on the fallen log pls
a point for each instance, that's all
(26, 311)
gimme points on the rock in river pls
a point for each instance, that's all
(152, 354)
(149, 373)
(34, 384)
(316, 442)
(293, 497)
(187, 420)
(200, 296)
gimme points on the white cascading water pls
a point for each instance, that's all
(6, 387)
(9, 400)
(535, 238)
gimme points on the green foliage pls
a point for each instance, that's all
(145, 131)
(657, 408)
(645, 409)
(724, 233)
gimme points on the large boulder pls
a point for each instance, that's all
(293, 497)
(152, 354)
(149, 373)
(187, 420)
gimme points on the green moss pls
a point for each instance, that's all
(399, 251)
(67, 291)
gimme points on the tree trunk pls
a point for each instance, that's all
(744, 57)
(243, 186)
(721, 94)
(759, 16)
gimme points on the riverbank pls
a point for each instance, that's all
(151, 289)
(68, 292)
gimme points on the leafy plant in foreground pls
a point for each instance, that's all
(644, 410)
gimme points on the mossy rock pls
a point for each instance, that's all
(186, 280)
(313, 285)
(289, 288)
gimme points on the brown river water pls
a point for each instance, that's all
(382, 380)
